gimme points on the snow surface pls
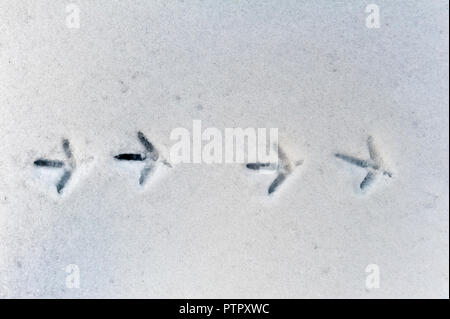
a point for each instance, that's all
(312, 69)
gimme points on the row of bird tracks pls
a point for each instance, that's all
(152, 158)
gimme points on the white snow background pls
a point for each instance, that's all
(312, 69)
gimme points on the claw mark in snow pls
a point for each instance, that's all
(150, 157)
(48, 163)
(284, 168)
(374, 165)
(68, 165)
